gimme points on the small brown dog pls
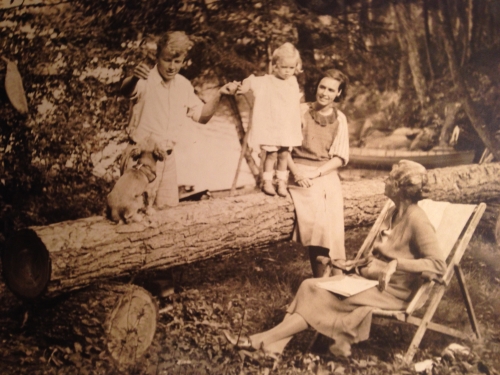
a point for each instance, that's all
(130, 194)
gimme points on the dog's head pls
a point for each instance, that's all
(146, 154)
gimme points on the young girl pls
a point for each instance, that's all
(276, 121)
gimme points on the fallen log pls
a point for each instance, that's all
(116, 319)
(85, 251)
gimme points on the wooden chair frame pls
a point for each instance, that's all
(430, 293)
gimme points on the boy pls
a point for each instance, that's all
(162, 100)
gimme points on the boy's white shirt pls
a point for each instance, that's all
(160, 108)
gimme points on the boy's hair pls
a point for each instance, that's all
(287, 50)
(338, 76)
(176, 42)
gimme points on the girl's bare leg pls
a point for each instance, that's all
(275, 339)
(268, 173)
(283, 159)
(282, 172)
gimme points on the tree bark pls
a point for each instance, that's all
(403, 18)
(118, 319)
(425, 13)
(475, 119)
(85, 251)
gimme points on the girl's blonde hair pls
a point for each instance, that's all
(287, 50)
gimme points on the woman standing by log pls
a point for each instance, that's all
(315, 186)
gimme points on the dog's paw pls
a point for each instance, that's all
(150, 211)
(136, 218)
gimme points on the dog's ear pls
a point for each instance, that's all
(135, 153)
(159, 154)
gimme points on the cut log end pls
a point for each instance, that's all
(26, 265)
(131, 327)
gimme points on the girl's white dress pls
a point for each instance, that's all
(276, 119)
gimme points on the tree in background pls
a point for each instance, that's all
(388, 49)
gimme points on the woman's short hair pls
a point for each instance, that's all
(287, 50)
(411, 178)
(176, 42)
(338, 76)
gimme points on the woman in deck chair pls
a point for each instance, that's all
(405, 249)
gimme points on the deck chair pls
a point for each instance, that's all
(455, 225)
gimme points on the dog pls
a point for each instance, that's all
(129, 196)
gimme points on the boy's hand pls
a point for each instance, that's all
(230, 88)
(141, 71)
(244, 87)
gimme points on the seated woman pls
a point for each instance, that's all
(405, 248)
(315, 187)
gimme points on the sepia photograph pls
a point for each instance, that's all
(251, 187)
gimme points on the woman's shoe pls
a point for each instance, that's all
(261, 356)
(239, 342)
(341, 349)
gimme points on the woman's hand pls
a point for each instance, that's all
(386, 274)
(302, 180)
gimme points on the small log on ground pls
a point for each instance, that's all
(118, 319)
(93, 249)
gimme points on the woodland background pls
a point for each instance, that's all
(406, 60)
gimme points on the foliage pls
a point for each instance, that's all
(227, 293)
(73, 55)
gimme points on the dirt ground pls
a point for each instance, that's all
(249, 291)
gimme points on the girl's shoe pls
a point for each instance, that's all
(268, 188)
(282, 190)
(263, 357)
(239, 342)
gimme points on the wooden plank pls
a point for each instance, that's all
(467, 301)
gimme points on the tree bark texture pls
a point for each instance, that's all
(117, 319)
(85, 251)
(476, 120)
(403, 17)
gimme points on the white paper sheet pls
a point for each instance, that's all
(348, 285)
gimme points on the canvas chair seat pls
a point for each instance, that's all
(455, 224)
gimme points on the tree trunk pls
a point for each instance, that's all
(85, 251)
(464, 96)
(118, 319)
(427, 39)
(403, 17)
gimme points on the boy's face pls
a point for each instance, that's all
(169, 64)
(285, 67)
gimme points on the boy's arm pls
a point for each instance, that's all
(141, 71)
(210, 106)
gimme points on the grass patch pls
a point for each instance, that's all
(249, 290)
